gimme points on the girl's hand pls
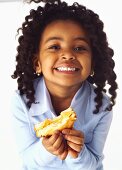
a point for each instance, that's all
(56, 145)
(75, 141)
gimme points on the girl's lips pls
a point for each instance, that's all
(67, 69)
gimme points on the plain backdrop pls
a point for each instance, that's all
(11, 16)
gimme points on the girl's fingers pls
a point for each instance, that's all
(74, 146)
(74, 139)
(49, 141)
(60, 150)
(58, 142)
(72, 153)
(64, 154)
(72, 132)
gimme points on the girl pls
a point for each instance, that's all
(63, 61)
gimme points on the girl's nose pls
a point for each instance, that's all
(67, 55)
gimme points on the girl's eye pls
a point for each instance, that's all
(79, 49)
(54, 47)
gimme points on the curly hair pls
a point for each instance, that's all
(32, 29)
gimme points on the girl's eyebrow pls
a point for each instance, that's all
(53, 38)
(75, 39)
(82, 39)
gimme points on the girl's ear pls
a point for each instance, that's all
(37, 65)
(92, 69)
(93, 65)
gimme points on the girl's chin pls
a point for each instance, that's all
(69, 83)
(64, 81)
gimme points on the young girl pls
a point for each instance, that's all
(63, 61)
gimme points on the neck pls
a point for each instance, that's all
(61, 97)
(61, 103)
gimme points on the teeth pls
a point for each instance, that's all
(66, 69)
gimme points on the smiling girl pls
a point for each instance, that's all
(63, 61)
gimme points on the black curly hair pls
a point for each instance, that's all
(32, 30)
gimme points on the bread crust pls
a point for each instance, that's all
(65, 120)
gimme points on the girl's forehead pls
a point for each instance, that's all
(64, 31)
(64, 27)
(63, 23)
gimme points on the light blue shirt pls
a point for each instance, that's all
(94, 126)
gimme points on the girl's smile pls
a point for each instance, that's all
(67, 68)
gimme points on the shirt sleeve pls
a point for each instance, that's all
(91, 155)
(30, 148)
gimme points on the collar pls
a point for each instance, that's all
(43, 102)
(42, 99)
(80, 100)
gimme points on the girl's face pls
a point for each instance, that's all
(65, 55)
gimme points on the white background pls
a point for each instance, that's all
(11, 16)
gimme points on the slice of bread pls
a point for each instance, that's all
(65, 120)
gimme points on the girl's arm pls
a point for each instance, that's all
(33, 153)
(91, 154)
